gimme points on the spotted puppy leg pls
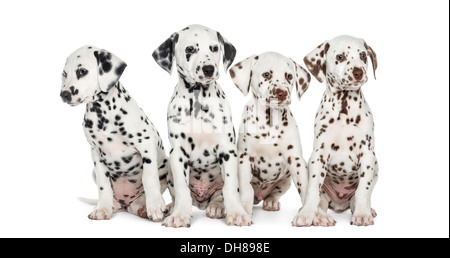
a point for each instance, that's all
(299, 171)
(182, 211)
(105, 203)
(368, 175)
(150, 179)
(236, 214)
(246, 190)
(310, 214)
(272, 201)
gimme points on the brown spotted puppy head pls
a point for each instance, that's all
(272, 77)
(88, 72)
(342, 62)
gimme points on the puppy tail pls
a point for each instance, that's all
(88, 201)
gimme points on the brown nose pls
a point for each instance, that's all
(281, 95)
(358, 73)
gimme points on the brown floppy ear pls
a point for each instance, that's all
(373, 58)
(241, 74)
(316, 61)
(302, 79)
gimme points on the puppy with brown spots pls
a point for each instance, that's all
(269, 147)
(343, 168)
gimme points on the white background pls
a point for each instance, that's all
(45, 159)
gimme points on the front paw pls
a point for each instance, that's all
(177, 220)
(313, 218)
(215, 210)
(271, 204)
(304, 218)
(239, 219)
(362, 219)
(156, 209)
(101, 214)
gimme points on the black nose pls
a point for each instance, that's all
(208, 70)
(66, 96)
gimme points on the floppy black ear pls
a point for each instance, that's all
(164, 54)
(110, 68)
(228, 51)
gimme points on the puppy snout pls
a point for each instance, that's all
(66, 96)
(208, 71)
(281, 95)
(358, 73)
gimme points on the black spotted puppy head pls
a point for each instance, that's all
(197, 51)
(342, 62)
(88, 72)
(271, 77)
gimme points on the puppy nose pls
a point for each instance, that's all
(358, 73)
(66, 96)
(281, 95)
(208, 70)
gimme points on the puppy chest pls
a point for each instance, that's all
(266, 171)
(345, 143)
(122, 164)
(270, 145)
(199, 115)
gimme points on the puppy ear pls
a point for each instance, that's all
(316, 61)
(302, 79)
(241, 74)
(227, 50)
(373, 58)
(110, 68)
(165, 53)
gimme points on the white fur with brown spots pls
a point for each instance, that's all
(269, 148)
(343, 167)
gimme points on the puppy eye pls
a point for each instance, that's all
(64, 75)
(81, 73)
(214, 49)
(341, 57)
(267, 75)
(363, 57)
(289, 76)
(190, 50)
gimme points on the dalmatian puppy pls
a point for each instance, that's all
(130, 165)
(203, 158)
(343, 168)
(269, 147)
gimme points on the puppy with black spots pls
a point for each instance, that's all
(343, 167)
(130, 165)
(203, 157)
(269, 147)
